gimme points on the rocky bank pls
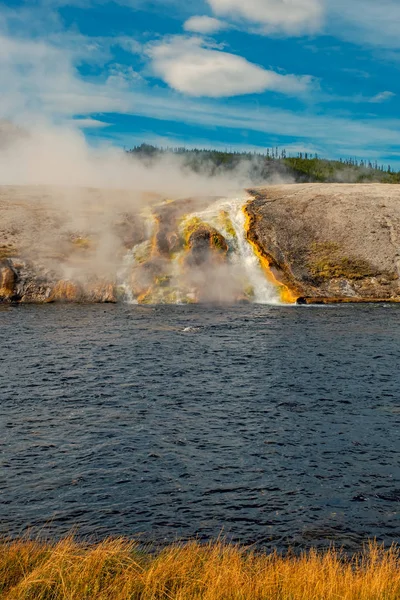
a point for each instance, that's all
(330, 242)
(318, 242)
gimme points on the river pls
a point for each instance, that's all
(271, 425)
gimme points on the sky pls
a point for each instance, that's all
(305, 75)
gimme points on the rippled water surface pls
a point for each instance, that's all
(278, 426)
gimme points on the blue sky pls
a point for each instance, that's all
(308, 75)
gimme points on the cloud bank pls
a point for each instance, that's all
(189, 66)
(204, 25)
(41, 79)
(291, 17)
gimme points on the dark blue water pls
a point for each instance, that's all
(278, 426)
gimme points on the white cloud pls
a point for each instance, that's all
(334, 135)
(51, 88)
(359, 73)
(293, 17)
(382, 97)
(366, 21)
(122, 76)
(204, 24)
(189, 66)
(325, 128)
(89, 123)
(40, 78)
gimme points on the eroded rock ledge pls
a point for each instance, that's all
(322, 243)
(330, 242)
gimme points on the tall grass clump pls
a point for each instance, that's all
(117, 569)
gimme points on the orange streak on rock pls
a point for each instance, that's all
(285, 293)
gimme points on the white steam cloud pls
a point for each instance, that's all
(61, 156)
(76, 212)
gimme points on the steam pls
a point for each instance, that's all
(78, 212)
(61, 156)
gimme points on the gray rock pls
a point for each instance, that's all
(333, 242)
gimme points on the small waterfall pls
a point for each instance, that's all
(131, 259)
(242, 254)
(123, 276)
(265, 292)
(149, 277)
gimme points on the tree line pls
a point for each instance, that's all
(303, 167)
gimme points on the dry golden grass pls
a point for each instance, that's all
(118, 570)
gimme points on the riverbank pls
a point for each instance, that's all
(119, 570)
(310, 243)
(329, 243)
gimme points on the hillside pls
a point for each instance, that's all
(274, 164)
